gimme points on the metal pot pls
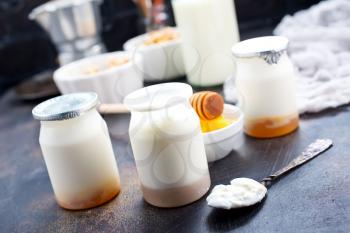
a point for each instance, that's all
(73, 25)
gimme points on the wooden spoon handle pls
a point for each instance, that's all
(112, 109)
(314, 149)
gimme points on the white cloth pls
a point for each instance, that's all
(320, 50)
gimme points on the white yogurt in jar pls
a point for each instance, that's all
(265, 82)
(77, 150)
(167, 145)
(172, 144)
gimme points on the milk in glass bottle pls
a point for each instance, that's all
(208, 28)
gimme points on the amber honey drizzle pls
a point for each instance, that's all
(270, 127)
(89, 199)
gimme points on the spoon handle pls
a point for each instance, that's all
(314, 149)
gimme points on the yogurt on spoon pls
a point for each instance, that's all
(241, 192)
(244, 192)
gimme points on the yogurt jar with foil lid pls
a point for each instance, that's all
(65, 107)
(265, 82)
(77, 151)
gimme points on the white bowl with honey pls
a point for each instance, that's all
(219, 143)
(161, 52)
(111, 75)
(221, 124)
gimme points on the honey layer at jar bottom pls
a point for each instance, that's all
(270, 127)
(89, 199)
(179, 196)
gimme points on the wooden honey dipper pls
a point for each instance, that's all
(208, 104)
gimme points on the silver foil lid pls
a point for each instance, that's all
(268, 48)
(65, 106)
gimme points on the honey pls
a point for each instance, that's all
(211, 125)
(209, 107)
(270, 127)
(89, 198)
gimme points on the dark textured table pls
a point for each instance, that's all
(313, 198)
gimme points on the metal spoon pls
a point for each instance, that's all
(243, 192)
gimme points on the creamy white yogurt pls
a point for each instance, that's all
(167, 145)
(241, 192)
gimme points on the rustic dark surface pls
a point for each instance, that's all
(313, 198)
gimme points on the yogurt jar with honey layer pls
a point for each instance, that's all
(77, 150)
(167, 145)
(265, 82)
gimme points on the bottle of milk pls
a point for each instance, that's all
(208, 29)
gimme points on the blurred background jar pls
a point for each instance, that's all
(265, 82)
(208, 29)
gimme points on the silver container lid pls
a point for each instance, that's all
(269, 48)
(65, 107)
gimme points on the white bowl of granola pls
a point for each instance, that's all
(111, 75)
(161, 52)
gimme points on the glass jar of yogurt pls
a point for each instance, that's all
(167, 145)
(77, 150)
(265, 83)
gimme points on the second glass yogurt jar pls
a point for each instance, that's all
(167, 144)
(265, 82)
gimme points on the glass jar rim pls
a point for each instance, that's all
(260, 46)
(158, 96)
